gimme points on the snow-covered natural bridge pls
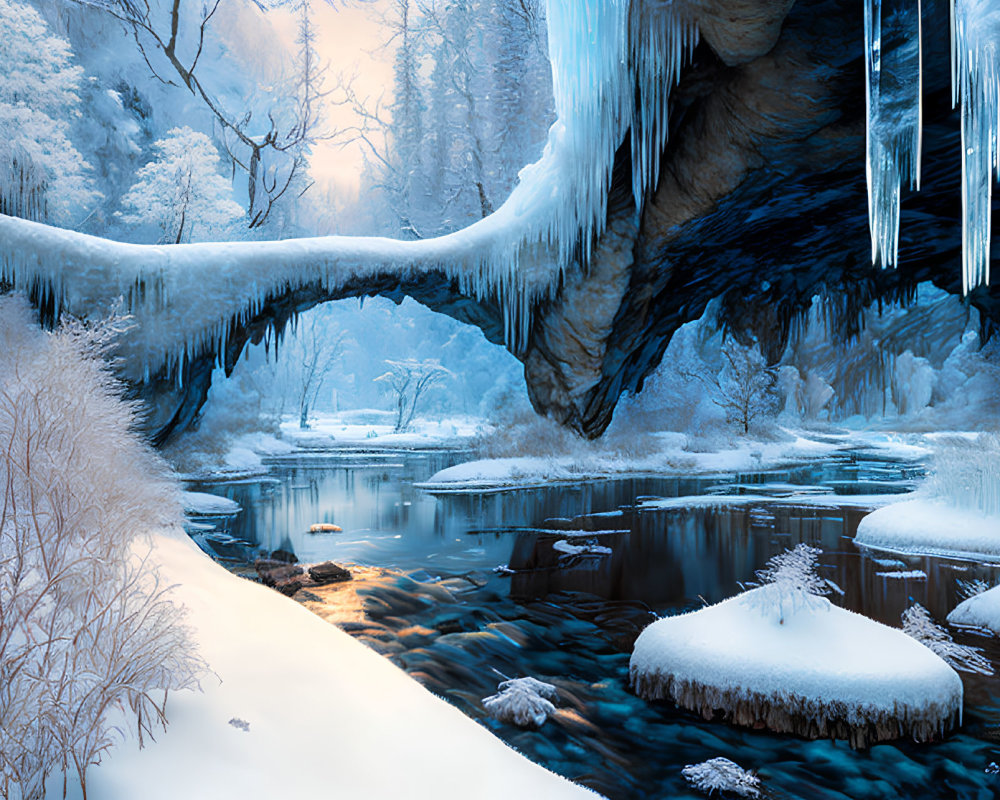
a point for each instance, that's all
(703, 149)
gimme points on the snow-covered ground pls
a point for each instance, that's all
(295, 707)
(666, 453)
(372, 429)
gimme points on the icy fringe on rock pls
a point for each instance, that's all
(975, 84)
(918, 624)
(525, 702)
(893, 78)
(966, 473)
(784, 712)
(722, 775)
(791, 583)
(188, 297)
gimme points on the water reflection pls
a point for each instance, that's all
(571, 619)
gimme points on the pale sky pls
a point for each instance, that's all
(351, 38)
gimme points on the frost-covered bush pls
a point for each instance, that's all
(966, 472)
(722, 775)
(791, 583)
(87, 631)
(526, 702)
(918, 623)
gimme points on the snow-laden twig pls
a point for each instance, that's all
(722, 775)
(792, 583)
(526, 702)
(917, 622)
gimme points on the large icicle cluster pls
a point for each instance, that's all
(894, 60)
(975, 84)
(613, 64)
(893, 57)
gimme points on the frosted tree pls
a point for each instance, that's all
(790, 582)
(181, 191)
(309, 357)
(42, 174)
(918, 623)
(745, 388)
(270, 145)
(407, 382)
(723, 776)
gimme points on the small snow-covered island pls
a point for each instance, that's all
(781, 656)
(499, 398)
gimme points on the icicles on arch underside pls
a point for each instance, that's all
(893, 56)
(614, 63)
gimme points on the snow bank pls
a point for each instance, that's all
(209, 505)
(300, 708)
(823, 672)
(340, 430)
(593, 462)
(979, 611)
(931, 527)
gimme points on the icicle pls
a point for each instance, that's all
(893, 82)
(975, 64)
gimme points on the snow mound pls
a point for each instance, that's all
(821, 672)
(525, 702)
(931, 527)
(209, 505)
(979, 611)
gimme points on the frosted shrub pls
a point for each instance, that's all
(790, 582)
(966, 473)
(526, 702)
(722, 775)
(917, 623)
(86, 629)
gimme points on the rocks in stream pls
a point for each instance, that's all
(290, 578)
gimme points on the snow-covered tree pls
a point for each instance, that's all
(407, 382)
(181, 191)
(723, 776)
(791, 582)
(308, 358)
(918, 623)
(42, 174)
(745, 388)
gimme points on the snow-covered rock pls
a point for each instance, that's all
(204, 504)
(979, 611)
(821, 671)
(931, 527)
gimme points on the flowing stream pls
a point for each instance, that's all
(440, 608)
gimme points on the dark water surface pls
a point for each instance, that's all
(571, 619)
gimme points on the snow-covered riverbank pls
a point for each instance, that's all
(293, 706)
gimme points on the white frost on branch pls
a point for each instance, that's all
(790, 583)
(722, 775)
(525, 702)
(918, 623)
